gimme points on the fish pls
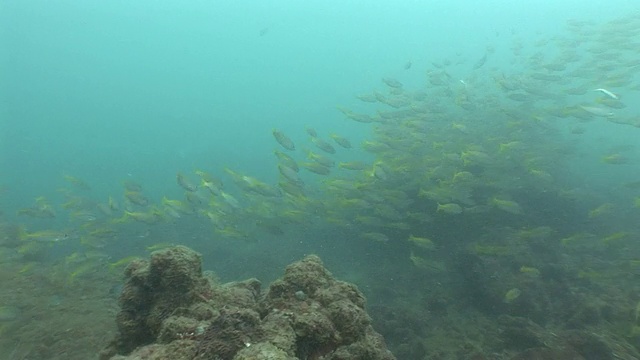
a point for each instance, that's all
(108, 208)
(322, 159)
(143, 217)
(541, 174)
(427, 264)
(419, 261)
(271, 228)
(460, 127)
(391, 82)
(232, 232)
(577, 239)
(323, 145)
(287, 160)
(480, 62)
(283, 140)
(361, 118)
(185, 183)
(136, 197)
(611, 103)
(83, 215)
(353, 165)
(463, 177)
(344, 142)
(28, 267)
(603, 209)
(291, 188)
(370, 98)
(474, 157)
(124, 262)
(530, 271)
(155, 247)
(608, 93)
(76, 182)
(388, 212)
(103, 232)
(171, 212)
(311, 131)
(597, 111)
(580, 90)
(87, 267)
(512, 295)
(615, 237)
(9, 313)
(633, 121)
(518, 97)
(251, 184)
(545, 77)
(422, 242)
(615, 159)
(131, 185)
(264, 189)
(176, 205)
(578, 130)
(633, 184)
(213, 185)
(47, 236)
(289, 174)
(506, 205)
(230, 200)
(196, 197)
(375, 236)
(450, 208)
(38, 212)
(511, 145)
(316, 168)
(42, 209)
(378, 171)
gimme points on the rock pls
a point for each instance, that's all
(262, 351)
(170, 311)
(153, 290)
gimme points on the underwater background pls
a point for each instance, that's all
(467, 165)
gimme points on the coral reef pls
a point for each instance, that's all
(171, 310)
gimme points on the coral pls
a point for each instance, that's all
(170, 311)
